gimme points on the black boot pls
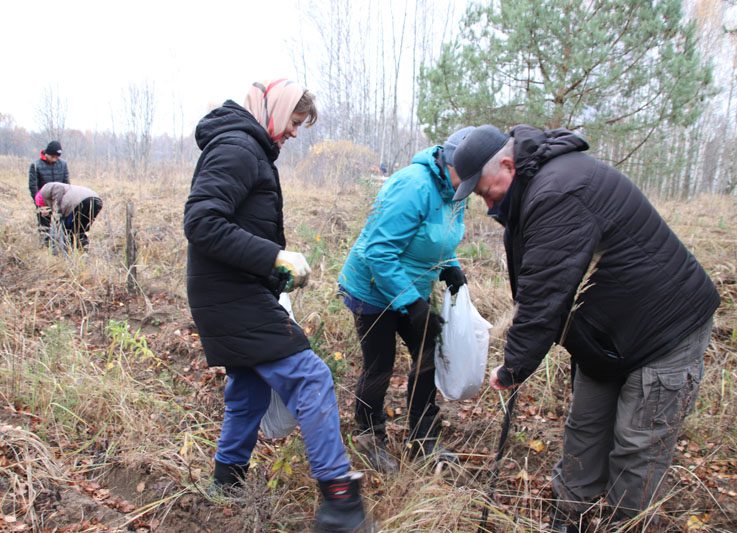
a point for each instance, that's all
(372, 444)
(342, 506)
(423, 440)
(229, 475)
(563, 522)
(563, 526)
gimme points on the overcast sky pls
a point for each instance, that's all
(194, 54)
(90, 52)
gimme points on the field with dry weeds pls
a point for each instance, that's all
(109, 415)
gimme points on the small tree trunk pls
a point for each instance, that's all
(130, 249)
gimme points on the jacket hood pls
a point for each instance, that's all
(233, 117)
(534, 147)
(433, 159)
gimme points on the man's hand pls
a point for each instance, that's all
(453, 277)
(494, 381)
(295, 265)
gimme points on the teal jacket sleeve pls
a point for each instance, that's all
(395, 220)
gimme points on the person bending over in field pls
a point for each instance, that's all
(77, 208)
(594, 268)
(409, 242)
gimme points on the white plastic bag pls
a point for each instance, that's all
(278, 422)
(462, 351)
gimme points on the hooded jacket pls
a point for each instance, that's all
(568, 214)
(411, 234)
(64, 197)
(234, 224)
(42, 172)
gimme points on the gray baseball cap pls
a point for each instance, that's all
(473, 153)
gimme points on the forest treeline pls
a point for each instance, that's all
(651, 85)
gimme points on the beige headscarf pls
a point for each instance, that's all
(272, 103)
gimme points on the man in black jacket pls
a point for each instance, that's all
(46, 169)
(595, 268)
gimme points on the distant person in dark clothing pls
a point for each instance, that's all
(77, 207)
(48, 168)
(237, 267)
(638, 331)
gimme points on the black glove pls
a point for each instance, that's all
(421, 314)
(453, 277)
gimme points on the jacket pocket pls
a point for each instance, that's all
(593, 350)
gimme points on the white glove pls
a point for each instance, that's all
(296, 265)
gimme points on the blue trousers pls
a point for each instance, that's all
(304, 383)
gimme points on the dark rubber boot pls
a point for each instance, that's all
(372, 445)
(423, 441)
(229, 475)
(562, 526)
(342, 506)
(563, 522)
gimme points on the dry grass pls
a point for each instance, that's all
(94, 380)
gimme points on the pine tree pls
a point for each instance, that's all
(617, 70)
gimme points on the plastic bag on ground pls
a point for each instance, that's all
(462, 351)
(278, 422)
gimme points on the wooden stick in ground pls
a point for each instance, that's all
(130, 249)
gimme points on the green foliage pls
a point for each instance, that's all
(286, 456)
(621, 68)
(315, 246)
(124, 343)
(334, 360)
(473, 250)
(58, 340)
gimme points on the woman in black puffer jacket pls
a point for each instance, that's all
(236, 269)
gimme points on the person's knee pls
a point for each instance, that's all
(322, 375)
(318, 388)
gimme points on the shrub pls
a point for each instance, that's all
(337, 162)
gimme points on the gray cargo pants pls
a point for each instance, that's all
(620, 436)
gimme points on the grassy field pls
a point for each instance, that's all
(109, 415)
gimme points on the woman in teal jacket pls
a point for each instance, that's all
(408, 242)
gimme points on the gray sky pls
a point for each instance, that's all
(194, 53)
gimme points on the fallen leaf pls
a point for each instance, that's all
(523, 475)
(126, 507)
(102, 494)
(697, 523)
(536, 445)
(141, 487)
